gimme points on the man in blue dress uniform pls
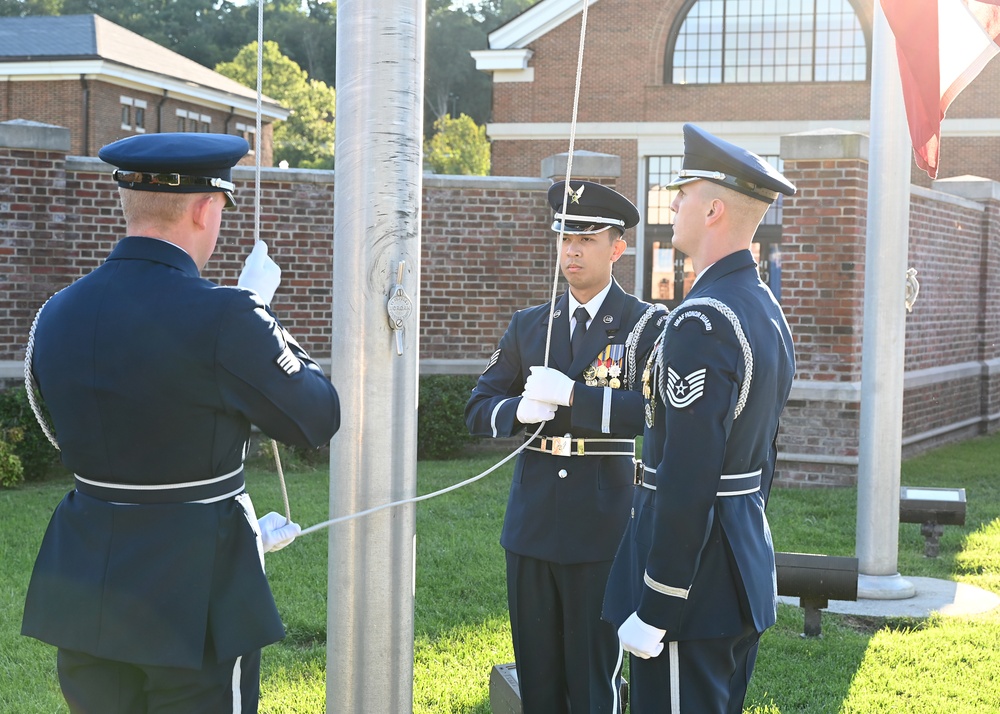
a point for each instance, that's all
(570, 494)
(150, 578)
(693, 584)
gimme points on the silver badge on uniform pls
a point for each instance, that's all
(288, 362)
(684, 391)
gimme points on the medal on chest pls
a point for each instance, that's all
(606, 370)
(649, 377)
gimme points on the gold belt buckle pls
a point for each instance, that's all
(561, 445)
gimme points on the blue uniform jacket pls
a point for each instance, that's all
(693, 562)
(578, 518)
(153, 375)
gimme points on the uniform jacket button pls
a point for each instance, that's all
(562, 473)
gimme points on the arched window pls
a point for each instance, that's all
(743, 41)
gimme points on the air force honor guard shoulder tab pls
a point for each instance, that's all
(692, 314)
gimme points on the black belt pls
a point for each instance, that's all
(568, 446)
(731, 484)
(206, 491)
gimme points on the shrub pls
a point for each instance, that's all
(36, 454)
(441, 430)
(293, 458)
(11, 471)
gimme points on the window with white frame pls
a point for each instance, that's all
(193, 121)
(133, 114)
(249, 133)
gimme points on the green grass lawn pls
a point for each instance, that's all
(859, 666)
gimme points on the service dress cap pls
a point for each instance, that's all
(590, 208)
(709, 158)
(178, 162)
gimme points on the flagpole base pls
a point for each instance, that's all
(884, 587)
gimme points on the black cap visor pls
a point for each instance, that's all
(177, 183)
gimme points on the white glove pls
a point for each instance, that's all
(260, 273)
(640, 639)
(531, 411)
(545, 384)
(276, 532)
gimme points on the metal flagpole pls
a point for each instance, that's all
(376, 277)
(884, 328)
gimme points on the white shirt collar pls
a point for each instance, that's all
(592, 307)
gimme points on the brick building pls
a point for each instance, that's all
(104, 83)
(486, 252)
(750, 72)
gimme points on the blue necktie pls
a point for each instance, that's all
(580, 331)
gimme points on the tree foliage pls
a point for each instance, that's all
(306, 138)
(459, 146)
(452, 84)
(23, 8)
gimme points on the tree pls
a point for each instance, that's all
(452, 84)
(306, 138)
(309, 38)
(23, 8)
(459, 146)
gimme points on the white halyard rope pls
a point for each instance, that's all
(256, 211)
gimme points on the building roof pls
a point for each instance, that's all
(93, 45)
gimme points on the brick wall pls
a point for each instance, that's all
(487, 252)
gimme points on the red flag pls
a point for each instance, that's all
(941, 45)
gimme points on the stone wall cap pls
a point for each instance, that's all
(823, 132)
(34, 135)
(497, 183)
(824, 144)
(975, 188)
(586, 164)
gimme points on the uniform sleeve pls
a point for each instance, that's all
(492, 408)
(265, 375)
(617, 411)
(700, 371)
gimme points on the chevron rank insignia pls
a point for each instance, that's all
(288, 362)
(493, 361)
(684, 391)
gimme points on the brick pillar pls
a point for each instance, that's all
(32, 220)
(822, 289)
(986, 192)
